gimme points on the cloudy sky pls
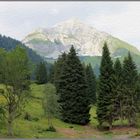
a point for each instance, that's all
(121, 19)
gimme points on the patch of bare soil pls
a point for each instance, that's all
(67, 132)
(119, 132)
(86, 132)
(125, 137)
(124, 130)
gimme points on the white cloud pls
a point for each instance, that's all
(54, 11)
(124, 25)
(121, 19)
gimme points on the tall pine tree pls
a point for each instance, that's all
(91, 84)
(130, 78)
(58, 66)
(51, 74)
(41, 73)
(118, 90)
(72, 91)
(104, 103)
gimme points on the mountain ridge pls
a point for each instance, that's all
(51, 42)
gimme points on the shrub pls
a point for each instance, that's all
(27, 116)
(51, 128)
(70, 126)
(103, 128)
(35, 119)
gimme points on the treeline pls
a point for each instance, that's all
(75, 85)
(9, 44)
(116, 92)
(119, 90)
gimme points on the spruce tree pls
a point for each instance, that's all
(130, 78)
(58, 66)
(72, 91)
(91, 84)
(51, 74)
(41, 73)
(138, 92)
(104, 102)
(118, 90)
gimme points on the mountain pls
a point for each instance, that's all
(9, 43)
(88, 42)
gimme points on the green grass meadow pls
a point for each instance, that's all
(37, 125)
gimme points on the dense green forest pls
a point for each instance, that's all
(9, 44)
(68, 95)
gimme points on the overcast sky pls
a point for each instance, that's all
(121, 19)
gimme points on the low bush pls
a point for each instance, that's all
(51, 128)
(103, 128)
(28, 117)
(70, 126)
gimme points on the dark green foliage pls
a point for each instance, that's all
(51, 74)
(138, 90)
(58, 66)
(51, 128)
(105, 96)
(9, 44)
(130, 78)
(138, 97)
(27, 116)
(118, 90)
(72, 91)
(91, 84)
(129, 71)
(41, 73)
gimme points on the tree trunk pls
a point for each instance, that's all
(49, 120)
(10, 128)
(121, 113)
(10, 125)
(110, 124)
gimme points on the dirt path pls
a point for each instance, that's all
(86, 132)
(119, 133)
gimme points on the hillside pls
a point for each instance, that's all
(36, 126)
(9, 43)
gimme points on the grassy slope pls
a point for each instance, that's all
(116, 43)
(96, 60)
(33, 128)
(36, 128)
